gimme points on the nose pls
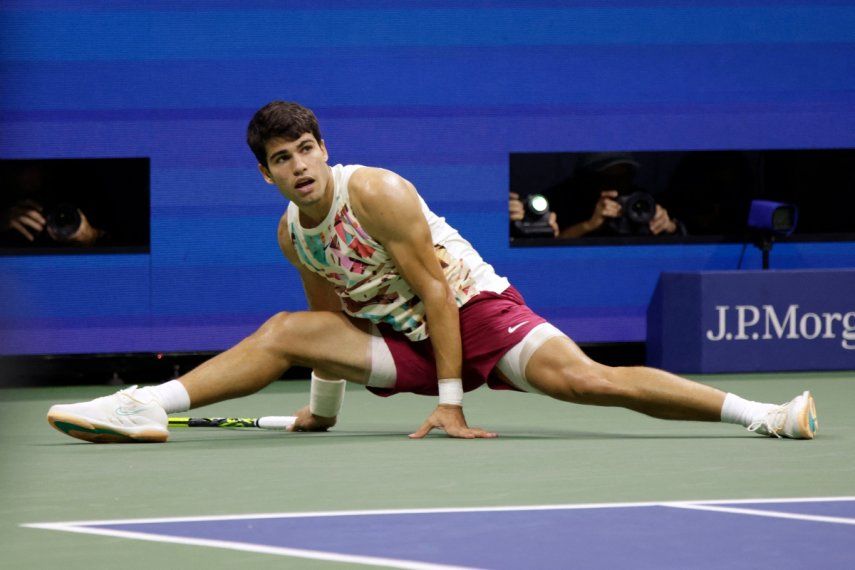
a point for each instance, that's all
(299, 164)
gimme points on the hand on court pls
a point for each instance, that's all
(450, 419)
(307, 421)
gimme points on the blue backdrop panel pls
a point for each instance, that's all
(440, 91)
(747, 321)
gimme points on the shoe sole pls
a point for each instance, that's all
(807, 421)
(87, 430)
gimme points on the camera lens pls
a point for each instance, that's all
(639, 207)
(63, 221)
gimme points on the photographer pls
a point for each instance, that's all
(33, 214)
(63, 225)
(601, 199)
(608, 208)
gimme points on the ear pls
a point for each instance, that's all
(265, 173)
(323, 146)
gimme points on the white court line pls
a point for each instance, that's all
(379, 512)
(763, 501)
(761, 513)
(91, 527)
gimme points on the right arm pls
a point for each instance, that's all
(321, 296)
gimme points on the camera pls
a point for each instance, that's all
(768, 221)
(772, 218)
(535, 224)
(637, 209)
(63, 221)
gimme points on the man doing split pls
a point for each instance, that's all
(399, 302)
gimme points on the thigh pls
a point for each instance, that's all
(559, 364)
(334, 344)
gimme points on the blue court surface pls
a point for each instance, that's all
(767, 533)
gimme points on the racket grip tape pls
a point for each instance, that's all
(275, 422)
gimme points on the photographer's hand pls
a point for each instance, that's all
(26, 218)
(515, 207)
(606, 207)
(662, 222)
(553, 223)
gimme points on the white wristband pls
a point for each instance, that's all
(325, 397)
(451, 391)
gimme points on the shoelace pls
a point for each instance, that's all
(773, 421)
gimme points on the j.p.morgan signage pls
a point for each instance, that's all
(753, 320)
(766, 322)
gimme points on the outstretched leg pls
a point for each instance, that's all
(560, 369)
(330, 343)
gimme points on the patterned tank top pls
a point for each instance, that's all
(364, 274)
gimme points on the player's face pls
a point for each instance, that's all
(298, 168)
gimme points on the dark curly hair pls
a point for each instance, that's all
(279, 119)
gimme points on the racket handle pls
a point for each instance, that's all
(276, 422)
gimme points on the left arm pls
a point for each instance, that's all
(389, 209)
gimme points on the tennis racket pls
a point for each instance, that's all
(264, 422)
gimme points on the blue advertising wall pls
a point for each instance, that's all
(440, 91)
(732, 321)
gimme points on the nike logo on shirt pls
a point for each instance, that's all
(515, 327)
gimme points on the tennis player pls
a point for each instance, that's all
(399, 302)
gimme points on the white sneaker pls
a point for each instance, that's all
(127, 416)
(795, 419)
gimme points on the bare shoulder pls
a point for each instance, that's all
(371, 186)
(383, 201)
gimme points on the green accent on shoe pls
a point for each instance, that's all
(65, 427)
(812, 422)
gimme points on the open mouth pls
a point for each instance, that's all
(303, 183)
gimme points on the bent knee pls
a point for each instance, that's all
(295, 334)
(275, 329)
(276, 322)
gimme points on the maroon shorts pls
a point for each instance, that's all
(490, 325)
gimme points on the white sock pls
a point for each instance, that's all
(172, 396)
(744, 412)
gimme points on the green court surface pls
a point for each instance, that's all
(547, 453)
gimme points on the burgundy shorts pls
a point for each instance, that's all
(490, 325)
